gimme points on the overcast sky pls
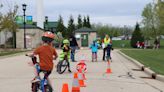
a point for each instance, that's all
(114, 12)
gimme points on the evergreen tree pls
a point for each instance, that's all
(84, 22)
(80, 24)
(136, 36)
(71, 27)
(88, 22)
(60, 26)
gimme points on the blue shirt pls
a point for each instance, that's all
(94, 47)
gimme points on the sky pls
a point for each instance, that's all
(110, 12)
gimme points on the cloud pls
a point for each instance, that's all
(117, 20)
(123, 12)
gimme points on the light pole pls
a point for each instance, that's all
(46, 23)
(24, 15)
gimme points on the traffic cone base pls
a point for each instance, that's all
(75, 89)
(65, 88)
(108, 71)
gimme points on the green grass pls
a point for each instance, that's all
(150, 58)
(126, 43)
(121, 44)
(4, 53)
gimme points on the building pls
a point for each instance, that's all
(33, 36)
(51, 26)
(85, 36)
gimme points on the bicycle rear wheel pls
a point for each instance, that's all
(62, 66)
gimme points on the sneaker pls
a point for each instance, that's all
(74, 61)
(69, 71)
(36, 79)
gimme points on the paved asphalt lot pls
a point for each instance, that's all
(15, 75)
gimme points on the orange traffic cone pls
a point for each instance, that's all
(81, 80)
(75, 84)
(65, 88)
(108, 70)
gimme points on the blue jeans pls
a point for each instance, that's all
(73, 48)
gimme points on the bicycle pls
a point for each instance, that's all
(62, 65)
(43, 84)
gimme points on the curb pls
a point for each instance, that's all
(160, 77)
(12, 55)
(143, 68)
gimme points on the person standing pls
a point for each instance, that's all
(156, 43)
(73, 45)
(106, 42)
(94, 47)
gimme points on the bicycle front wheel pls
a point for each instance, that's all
(48, 88)
(62, 66)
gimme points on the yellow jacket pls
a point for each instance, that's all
(106, 41)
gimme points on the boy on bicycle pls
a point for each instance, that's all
(94, 46)
(65, 51)
(46, 55)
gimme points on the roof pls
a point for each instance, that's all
(85, 29)
(34, 25)
(29, 26)
(51, 24)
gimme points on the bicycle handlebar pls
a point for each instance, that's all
(34, 59)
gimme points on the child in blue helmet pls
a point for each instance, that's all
(94, 47)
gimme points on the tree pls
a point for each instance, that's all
(71, 27)
(60, 27)
(88, 22)
(150, 21)
(80, 23)
(126, 31)
(84, 22)
(0, 12)
(160, 13)
(0, 17)
(112, 31)
(136, 36)
(102, 30)
(153, 19)
(8, 23)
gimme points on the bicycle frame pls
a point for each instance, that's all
(42, 81)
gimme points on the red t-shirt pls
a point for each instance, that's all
(46, 53)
